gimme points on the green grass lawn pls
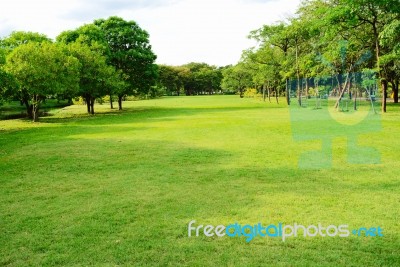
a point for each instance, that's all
(119, 188)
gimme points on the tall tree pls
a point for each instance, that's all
(130, 52)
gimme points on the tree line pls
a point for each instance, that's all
(113, 57)
(326, 38)
(107, 57)
(190, 79)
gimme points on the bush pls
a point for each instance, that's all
(251, 93)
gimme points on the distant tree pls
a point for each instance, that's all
(237, 78)
(168, 78)
(41, 70)
(202, 78)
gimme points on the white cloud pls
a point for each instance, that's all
(181, 31)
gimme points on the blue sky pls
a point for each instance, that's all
(181, 31)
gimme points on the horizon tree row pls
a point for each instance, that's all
(190, 79)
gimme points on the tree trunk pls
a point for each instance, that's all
(35, 108)
(28, 108)
(263, 92)
(120, 102)
(92, 100)
(384, 95)
(241, 92)
(111, 102)
(342, 90)
(277, 95)
(87, 100)
(287, 92)
(355, 100)
(396, 92)
(299, 96)
(307, 86)
(35, 115)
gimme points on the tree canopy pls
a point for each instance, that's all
(42, 69)
(107, 57)
(129, 51)
(327, 37)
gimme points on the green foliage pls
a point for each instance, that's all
(329, 38)
(42, 69)
(130, 52)
(369, 79)
(18, 38)
(88, 34)
(7, 85)
(95, 76)
(192, 78)
(169, 78)
(203, 79)
(236, 78)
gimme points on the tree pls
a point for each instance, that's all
(390, 40)
(371, 17)
(95, 76)
(130, 52)
(41, 69)
(270, 37)
(168, 78)
(236, 78)
(201, 78)
(334, 37)
(18, 38)
(88, 34)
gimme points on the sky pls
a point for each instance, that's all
(181, 31)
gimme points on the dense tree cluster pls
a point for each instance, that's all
(108, 57)
(191, 79)
(325, 38)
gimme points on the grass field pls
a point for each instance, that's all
(119, 188)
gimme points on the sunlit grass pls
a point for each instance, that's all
(119, 188)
